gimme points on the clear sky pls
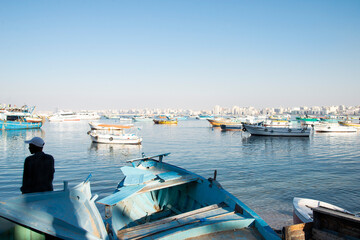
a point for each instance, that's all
(190, 54)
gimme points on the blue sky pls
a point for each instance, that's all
(179, 54)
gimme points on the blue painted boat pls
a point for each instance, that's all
(19, 118)
(67, 214)
(17, 125)
(156, 200)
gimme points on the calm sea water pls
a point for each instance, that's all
(263, 172)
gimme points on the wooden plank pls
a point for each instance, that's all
(324, 235)
(300, 231)
(338, 222)
(176, 217)
(180, 223)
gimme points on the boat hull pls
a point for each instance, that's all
(156, 200)
(229, 127)
(277, 131)
(334, 129)
(14, 125)
(160, 121)
(126, 139)
(302, 209)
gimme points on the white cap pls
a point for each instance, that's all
(37, 141)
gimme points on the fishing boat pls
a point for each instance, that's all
(19, 118)
(165, 120)
(204, 117)
(156, 200)
(349, 123)
(260, 130)
(334, 128)
(223, 121)
(142, 119)
(64, 116)
(112, 133)
(87, 115)
(303, 209)
(231, 127)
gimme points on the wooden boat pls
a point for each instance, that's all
(350, 124)
(223, 121)
(303, 209)
(334, 128)
(157, 200)
(142, 119)
(112, 133)
(165, 120)
(231, 127)
(67, 214)
(104, 126)
(260, 130)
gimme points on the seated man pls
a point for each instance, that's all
(38, 168)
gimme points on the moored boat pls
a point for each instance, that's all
(19, 118)
(334, 128)
(156, 200)
(260, 130)
(349, 123)
(112, 133)
(224, 121)
(165, 120)
(231, 127)
(66, 214)
(64, 116)
(302, 209)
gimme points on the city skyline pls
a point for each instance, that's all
(179, 54)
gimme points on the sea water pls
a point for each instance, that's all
(263, 172)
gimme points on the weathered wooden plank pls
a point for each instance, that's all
(300, 231)
(176, 217)
(324, 235)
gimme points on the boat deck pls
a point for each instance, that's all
(203, 223)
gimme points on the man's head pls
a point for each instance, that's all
(36, 144)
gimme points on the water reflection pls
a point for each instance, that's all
(12, 138)
(115, 149)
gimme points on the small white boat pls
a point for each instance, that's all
(64, 117)
(302, 209)
(332, 128)
(111, 133)
(261, 130)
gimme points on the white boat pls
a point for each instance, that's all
(302, 209)
(64, 117)
(142, 119)
(86, 115)
(331, 128)
(111, 133)
(261, 130)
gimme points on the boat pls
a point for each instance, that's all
(70, 213)
(216, 122)
(310, 121)
(162, 119)
(303, 209)
(64, 116)
(204, 117)
(87, 115)
(157, 200)
(142, 119)
(260, 130)
(349, 123)
(334, 128)
(19, 118)
(231, 127)
(112, 133)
